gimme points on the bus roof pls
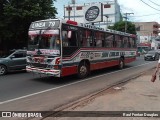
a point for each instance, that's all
(54, 23)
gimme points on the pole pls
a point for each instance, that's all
(64, 12)
(125, 23)
(73, 2)
(126, 20)
(107, 20)
(74, 12)
(69, 12)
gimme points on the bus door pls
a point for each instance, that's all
(69, 41)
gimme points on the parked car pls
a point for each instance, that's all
(158, 51)
(151, 55)
(16, 60)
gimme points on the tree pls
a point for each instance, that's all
(17, 15)
(120, 26)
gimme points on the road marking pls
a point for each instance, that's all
(11, 100)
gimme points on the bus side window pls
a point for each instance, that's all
(86, 40)
(65, 39)
(122, 42)
(131, 42)
(134, 42)
(73, 39)
(125, 42)
(80, 40)
(102, 37)
(108, 40)
(118, 40)
(99, 38)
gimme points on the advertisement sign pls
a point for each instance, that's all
(93, 13)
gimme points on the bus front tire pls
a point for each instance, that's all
(83, 70)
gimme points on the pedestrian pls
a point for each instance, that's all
(154, 76)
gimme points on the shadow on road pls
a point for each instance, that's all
(72, 78)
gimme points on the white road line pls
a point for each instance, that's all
(11, 100)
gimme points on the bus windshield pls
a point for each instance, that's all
(44, 40)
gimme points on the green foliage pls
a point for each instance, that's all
(17, 15)
(120, 26)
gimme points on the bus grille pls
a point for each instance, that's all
(39, 65)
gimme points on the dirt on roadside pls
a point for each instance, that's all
(138, 94)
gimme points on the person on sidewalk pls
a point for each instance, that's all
(155, 73)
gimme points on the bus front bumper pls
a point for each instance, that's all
(50, 72)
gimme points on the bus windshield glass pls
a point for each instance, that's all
(41, 39)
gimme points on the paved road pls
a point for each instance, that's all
(15, 85)
(22, 92)
(46, 94)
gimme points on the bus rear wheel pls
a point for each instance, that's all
(83, 70)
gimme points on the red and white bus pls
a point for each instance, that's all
(63, 47)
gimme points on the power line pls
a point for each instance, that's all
(149, 5)
(145, 15)
(154, 2)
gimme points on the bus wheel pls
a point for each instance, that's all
(121, 63)
(3, 70)
(83, 70)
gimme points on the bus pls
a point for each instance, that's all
(63, 47)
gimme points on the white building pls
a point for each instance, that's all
(109, 12)
(147, 31)
(155, 45)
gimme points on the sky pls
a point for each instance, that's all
(144, 10)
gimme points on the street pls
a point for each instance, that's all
(15, 87)
(21, 83)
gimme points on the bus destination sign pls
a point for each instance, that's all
(51, 24)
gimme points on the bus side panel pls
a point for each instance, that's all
(70, 70)
(128, 60)
(96, 66)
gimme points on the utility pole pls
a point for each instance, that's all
(107, 19)
(73, 2)
(126, 14)
(64, 12)
(69, 12)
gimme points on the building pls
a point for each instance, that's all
(109, 13)
(155, 45)
(147, 31)
(143, 47)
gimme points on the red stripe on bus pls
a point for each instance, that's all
(96, 49)
(104, 64)
(69, 70)
(128, 60)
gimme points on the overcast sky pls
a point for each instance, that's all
(144, 10)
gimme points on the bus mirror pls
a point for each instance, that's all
(69, 34)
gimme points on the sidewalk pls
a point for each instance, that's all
(139, 94)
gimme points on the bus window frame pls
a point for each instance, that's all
(125, 41)
(72, 32)
(118, 40)
(99, 38)
(110, 41)
(86, 38)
